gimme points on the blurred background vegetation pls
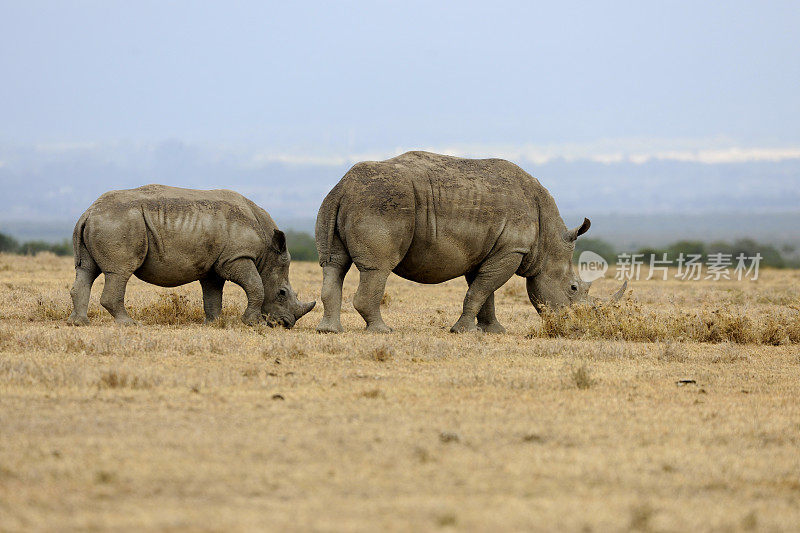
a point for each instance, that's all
(303, 248)
(11, 245)
(771, 256)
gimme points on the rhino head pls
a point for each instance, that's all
(556, 284)
(280, 301)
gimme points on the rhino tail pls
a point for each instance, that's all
(326, 225)
(77, 238)
(153, 238)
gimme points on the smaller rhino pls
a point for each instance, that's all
(170, 236)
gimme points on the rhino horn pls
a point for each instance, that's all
(305, 307)
(617, 295)
(613, 298)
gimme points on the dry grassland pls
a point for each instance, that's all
(571, 425)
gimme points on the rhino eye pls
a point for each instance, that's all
(282, 292)
(574, 287)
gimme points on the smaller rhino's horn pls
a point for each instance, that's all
(306, 307)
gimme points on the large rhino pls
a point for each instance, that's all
(170, 236)
(430, 218)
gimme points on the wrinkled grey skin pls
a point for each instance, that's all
(430, 218)
(170, 236)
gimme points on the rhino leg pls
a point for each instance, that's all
(81, 289)
(212, 286)
(367, 300)
(244, 273)
(117, 242)
(332, 280)
(487, 321)
(113, 297)
(491, 275)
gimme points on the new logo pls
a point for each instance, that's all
(591, 266)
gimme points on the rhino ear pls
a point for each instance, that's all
(572, 234)
(279, 241)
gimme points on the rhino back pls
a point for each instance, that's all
(460, 209)
(188, 231)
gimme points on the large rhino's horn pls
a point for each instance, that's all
(617, 295)
(614, 297)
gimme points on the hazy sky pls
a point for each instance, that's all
(339, 77)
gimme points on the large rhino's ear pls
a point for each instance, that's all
(279, 241)
(572, 234)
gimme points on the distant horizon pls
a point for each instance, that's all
(60, 182)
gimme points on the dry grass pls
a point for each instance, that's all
(381, 354)
(170, 308)
(114, 379)
(632, 321)
(582, 377)
(658, 414)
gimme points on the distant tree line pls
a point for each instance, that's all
(771, 256)
(10, 245)
(301, 245)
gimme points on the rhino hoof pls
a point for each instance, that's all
(463, 328)
(329, 327)
(78, 320)
(253, 319)
(126, 321)
(494, 327)
(379, 328)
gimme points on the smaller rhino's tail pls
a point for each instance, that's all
(78, 246)
(325, 228)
